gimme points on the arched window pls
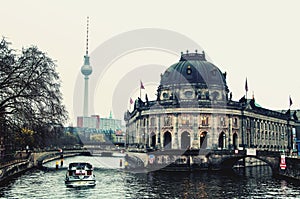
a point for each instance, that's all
(222, 140)
(153, 140)
(185, 140)
(167, 140)
(235, 141)
(203, 140)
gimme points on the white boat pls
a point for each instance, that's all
(80, 174)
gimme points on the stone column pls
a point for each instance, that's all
(214, 136)
(147, 132)
(195, 141)
(252, 132)
(136, 138)
(139, 132)
(230, 133)
(243, 132)
(209, 135)
(175, 144)
(159, 131)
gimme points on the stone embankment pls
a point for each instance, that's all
(25, 161)
(292, 170)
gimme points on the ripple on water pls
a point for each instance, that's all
(112, 183)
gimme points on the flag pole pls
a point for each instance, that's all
(246, 87)
(140, 91)
(141, 87)
(130, 103)
(290, 102)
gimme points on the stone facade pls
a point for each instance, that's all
(194, 109)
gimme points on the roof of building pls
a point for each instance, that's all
(193, 68)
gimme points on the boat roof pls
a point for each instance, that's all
(80, 165)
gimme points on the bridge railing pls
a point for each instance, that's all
(268, 153)
(228, 152)
(244, 153)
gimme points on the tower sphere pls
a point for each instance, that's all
(86, 69)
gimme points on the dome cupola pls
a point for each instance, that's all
(193, 77)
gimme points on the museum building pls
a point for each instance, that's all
(194, 109)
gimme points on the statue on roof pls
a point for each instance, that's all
(295, 115)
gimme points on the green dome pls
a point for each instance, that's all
(194, 69)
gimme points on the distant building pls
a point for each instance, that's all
(112, 128)
(194, 109)
(89, 122)
(110, 124)
(97, 122)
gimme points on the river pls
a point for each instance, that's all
(113, 182)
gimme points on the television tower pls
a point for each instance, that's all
(86, 70)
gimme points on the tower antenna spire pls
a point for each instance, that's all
(87, 36)
(86, 70)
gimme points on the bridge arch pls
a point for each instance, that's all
(272, 162)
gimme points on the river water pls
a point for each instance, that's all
(112, 182)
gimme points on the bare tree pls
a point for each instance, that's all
(30, 96)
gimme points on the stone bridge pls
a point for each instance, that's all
(201, 159)
(226, 159)
(42, 157)
(177, 159)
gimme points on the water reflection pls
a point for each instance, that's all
(115, 183)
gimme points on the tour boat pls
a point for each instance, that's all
(80, 174)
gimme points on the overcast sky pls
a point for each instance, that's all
(256, 39)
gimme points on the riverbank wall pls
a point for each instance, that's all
(292, 170)
(14, 168)
(134, 162)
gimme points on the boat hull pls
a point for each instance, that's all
(80, 183)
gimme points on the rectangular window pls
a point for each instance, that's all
(204, 121)
(222, 121)
(152, 122)
(167, 121)
(184, 119)
(235, 122)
